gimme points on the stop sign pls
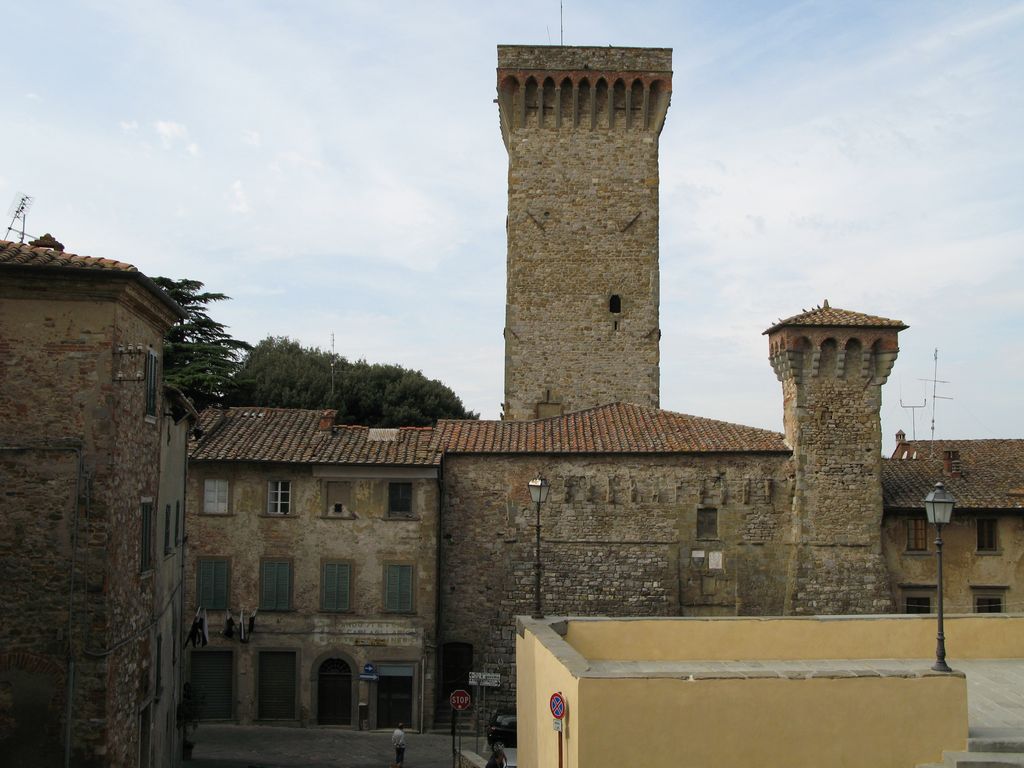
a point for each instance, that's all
(460, 699)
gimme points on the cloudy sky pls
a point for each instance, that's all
(337, 167)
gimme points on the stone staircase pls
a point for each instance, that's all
(987, 748)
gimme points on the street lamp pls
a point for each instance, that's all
(938, 505)
(539, 494)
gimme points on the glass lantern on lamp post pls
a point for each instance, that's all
(938, 505)
(539, 494)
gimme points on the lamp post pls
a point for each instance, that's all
(938, 505)
(539, 494)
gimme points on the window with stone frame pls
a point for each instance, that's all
(213, 583)
(398, 584)
(167, 530)
(152, 369)
(279, 497)
(215, 496)
(275, 585)
(146, 536)
(987, 539)
(988, 602)
(336, 580)
(917, 534)
(707, 523)
(400, 500)
(917, 601)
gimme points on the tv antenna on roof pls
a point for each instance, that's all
(332, 368)
(913, 415)
(18, 211)
(561, 24)
(935, 380)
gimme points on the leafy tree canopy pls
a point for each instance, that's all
(200, 357)
(281, 373)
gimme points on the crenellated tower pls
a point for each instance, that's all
(581, 127)
(832, 364)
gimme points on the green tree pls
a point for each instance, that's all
(200, 357)
(281, 373)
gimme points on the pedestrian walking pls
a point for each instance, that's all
(398, 742)
(498, 759)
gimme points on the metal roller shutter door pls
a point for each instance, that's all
(277, 685)
(211, 684)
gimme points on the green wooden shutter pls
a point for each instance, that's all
(220, 584)
(283, 578)
(330, 578)
(213, 584)
(205, 591)
(398, 589)
(336, 578)
(268, 590)
(344, 577)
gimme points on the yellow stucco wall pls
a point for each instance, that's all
(868, 722)
(994, 636)
(539, 674)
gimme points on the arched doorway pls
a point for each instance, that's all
(334, 693)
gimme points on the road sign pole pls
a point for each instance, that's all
(455, 725)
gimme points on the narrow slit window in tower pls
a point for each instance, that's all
(615, 304)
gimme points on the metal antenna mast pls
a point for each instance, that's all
(913, 414)
(935, 380)
(332, 367)
(19, 210)
(561, 24)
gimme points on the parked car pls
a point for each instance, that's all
(502, 728)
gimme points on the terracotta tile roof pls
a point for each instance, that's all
(833, 316)
(23, 255)
(614, 428)
(992, 474)
(292, 435)
(36, 259)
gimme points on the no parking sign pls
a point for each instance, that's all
(557, 705)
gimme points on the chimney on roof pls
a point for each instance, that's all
(47, 241)
(951, 463)
(901, 437)
(327, 420)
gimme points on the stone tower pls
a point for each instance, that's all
(581, 126)
(832, 364)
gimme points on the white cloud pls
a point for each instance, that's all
(252, 138)
(239, 203)
(129, 126)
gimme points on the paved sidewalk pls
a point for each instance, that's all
(241, 746)
(995, 692)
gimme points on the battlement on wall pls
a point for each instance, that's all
(583, 87)
(592, 57)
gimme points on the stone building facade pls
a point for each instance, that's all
(327, 535)
(92, 462)
(581, 127)
(832, 364)
(983, 551)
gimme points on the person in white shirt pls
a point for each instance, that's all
(398, 742)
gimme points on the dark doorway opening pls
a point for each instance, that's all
(394, 695)
(334, 693)
(456, 664)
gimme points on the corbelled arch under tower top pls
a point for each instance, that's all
(581, 126)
